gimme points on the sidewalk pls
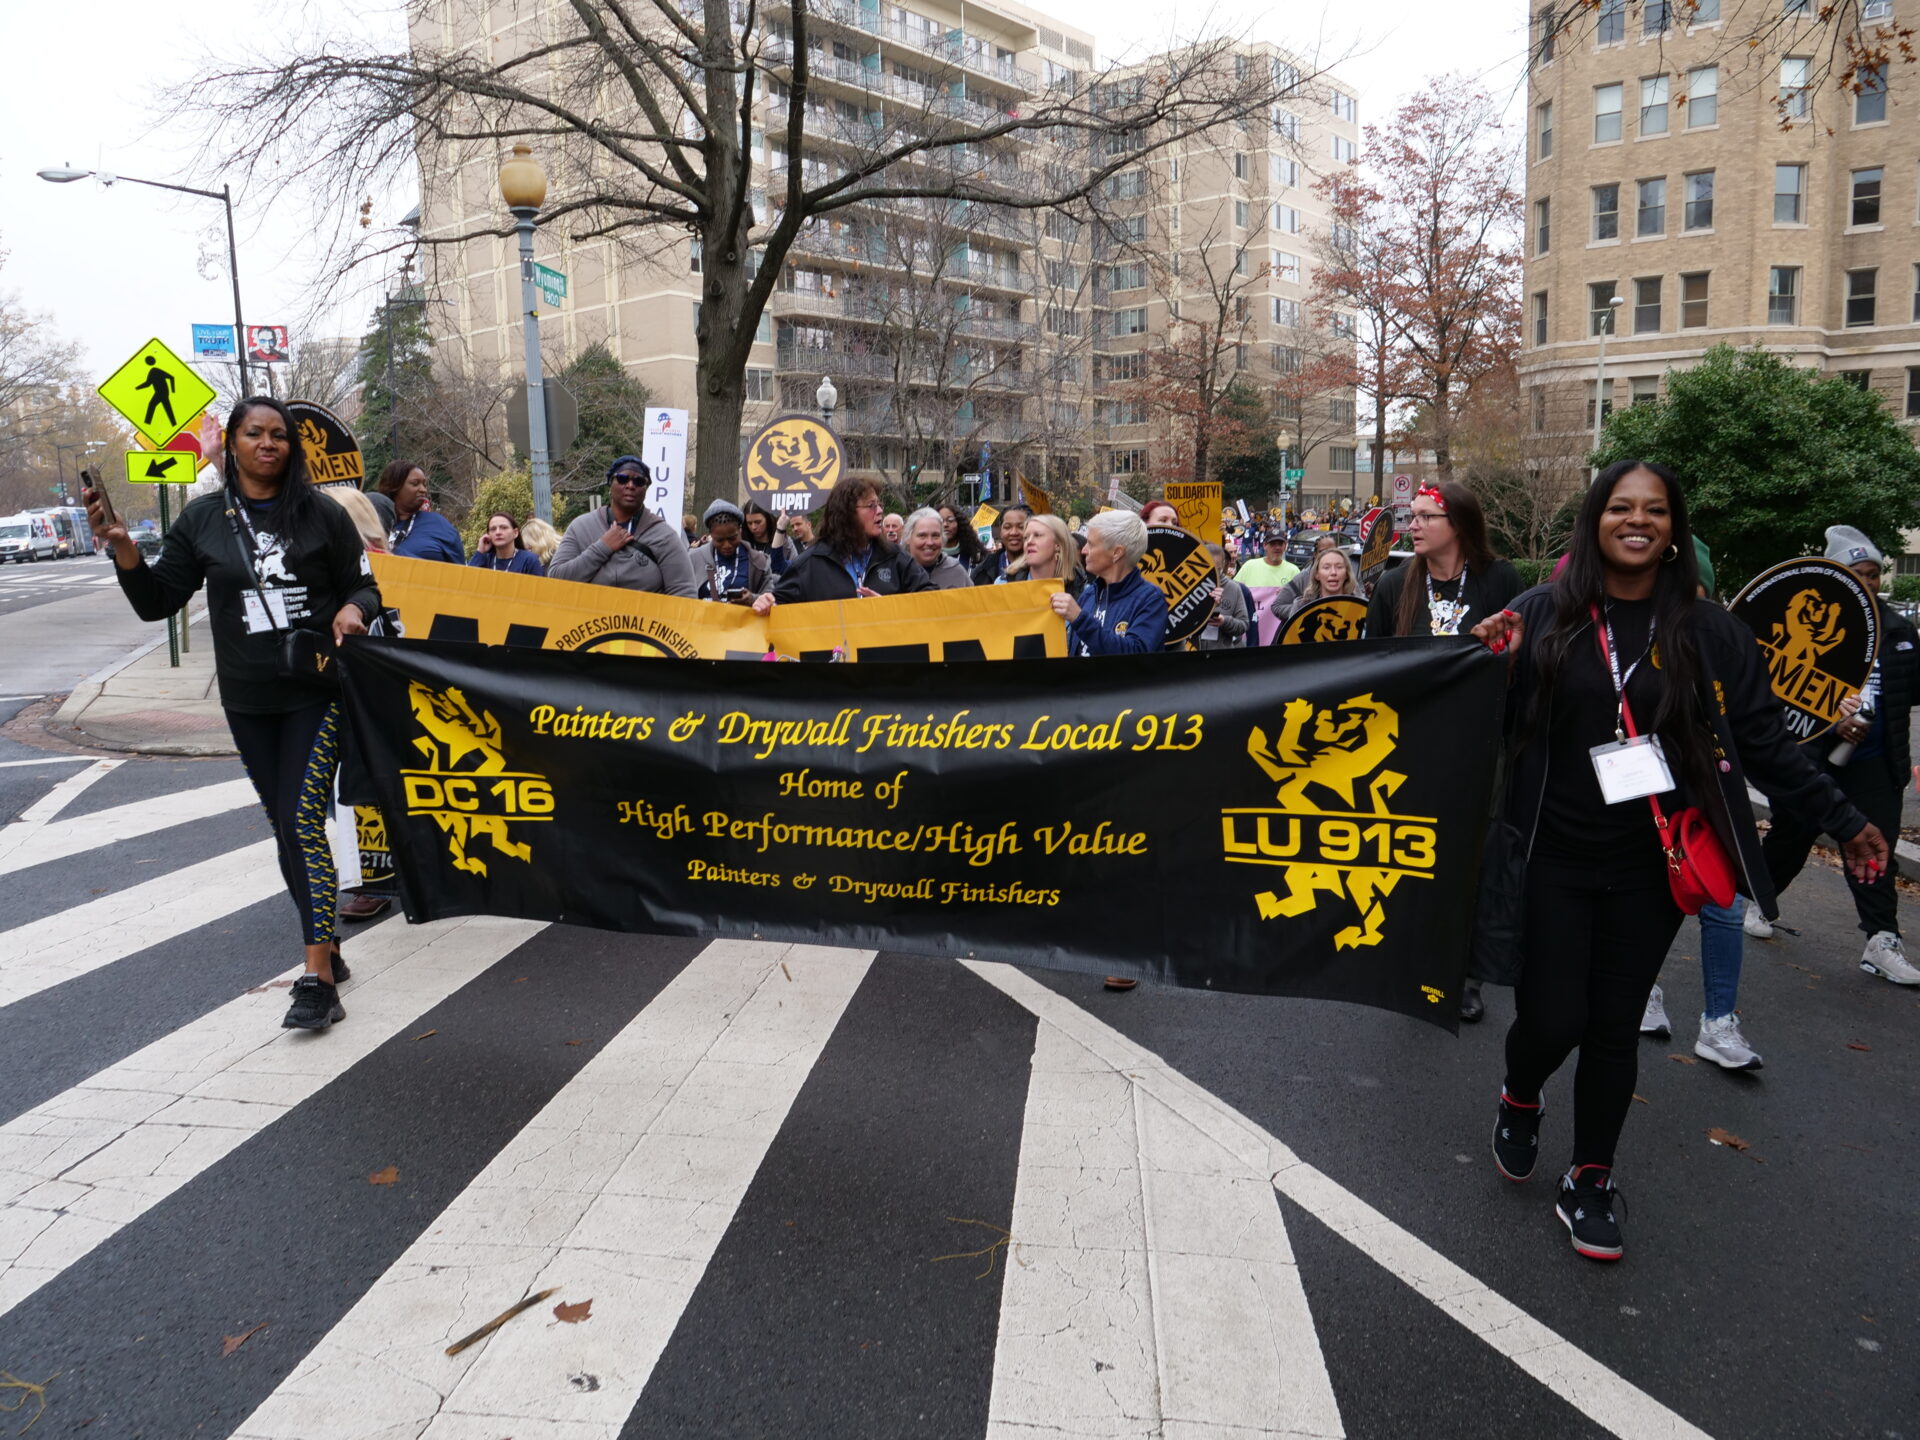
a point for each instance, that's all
(144, 705)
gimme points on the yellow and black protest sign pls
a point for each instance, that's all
(1199, 507)
(792, 463)
(1180, 566)
(453, 602)
(1376, 543)
(1820, 628)
(333, 455)
(1261, 827)
(1331, 617)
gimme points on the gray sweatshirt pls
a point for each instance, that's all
(654, 560)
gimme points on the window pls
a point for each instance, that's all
(1286, 266)
(1861, 380)
(763, 332)
(1655, 17)
(1545, 27)
(1126, 462)
(1540, 317)
(1699, 213)
(1913, 391)
(1789, 194)
(1062, 227)
(1340, 411)
(1593, 388)
(1285, 359)
(1285, 74)
(1241, 265)
(1543, 130)
(1344, 150)
(1286, 219)
(1538, 396)
(1916, 294)
(1345, 107)
(1606, 212)
(1286, 312)
(1606, 113)
(1242, 165)
(1643, 390)
(1542, 226)
(1793, 86)
(693, 255)
(1861, 285)
(1063, 274)
(1646, 306)
(1870, 101)
(1127, 277)
(1783, 295)
(1343, 326)
(1703, 96)
(1600, 307)
(1062, 320)
(1612, 26)
(1120, 412)
(1286, 124)
(1120, 367)
(1866, 197)
(1130, 322)
(1127, 185)
(1705, 12)
(759, 384)
(1651, 218)
(1285, 173)
(1653, 105)
(1240, 214)
(1796, 7)
(1693, 301)
(1340, 458)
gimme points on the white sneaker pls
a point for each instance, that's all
(1721, 1042)
(1884, 957)
(1654, 1022)
(1755, 924)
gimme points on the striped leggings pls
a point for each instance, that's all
(291, 759)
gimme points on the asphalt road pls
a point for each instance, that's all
(784, 1176)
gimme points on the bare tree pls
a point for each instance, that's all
(643, 114)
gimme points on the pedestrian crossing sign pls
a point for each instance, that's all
(161, 467)
(157, 392)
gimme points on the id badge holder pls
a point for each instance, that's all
(1631, 769)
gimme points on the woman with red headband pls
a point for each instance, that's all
(1451, 585)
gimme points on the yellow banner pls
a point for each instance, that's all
(452, 602)
(1199, 507)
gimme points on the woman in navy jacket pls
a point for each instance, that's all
(418, 533)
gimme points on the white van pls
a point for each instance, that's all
(27, 537)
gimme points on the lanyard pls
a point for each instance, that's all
(1613, 665)
(237, 507)
(400, 532)
(857, 566)
(1444, 616)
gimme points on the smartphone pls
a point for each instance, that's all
(90, 478)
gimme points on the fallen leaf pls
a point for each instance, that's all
(1726, 1138)
(1642, 1099)
(576, 1042)
(521, 980)
(233, 1342)
(573, 1314)
(384, 1177)
(425, 1033)
(501, 1319)
(1856, 1045)
(786, 972)
(1684, 1059)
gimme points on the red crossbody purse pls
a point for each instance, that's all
(1699, 870)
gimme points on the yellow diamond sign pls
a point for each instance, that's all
(157, 392)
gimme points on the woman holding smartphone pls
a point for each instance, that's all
(275, 558)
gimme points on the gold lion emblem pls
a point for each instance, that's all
(1337, 754)
(794, 454)
(1809, 629)
(461, 747)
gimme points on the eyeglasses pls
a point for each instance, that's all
(629, 480)
(871, 505)
(1422, 517)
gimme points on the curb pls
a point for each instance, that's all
(65, 721)
(88, 690)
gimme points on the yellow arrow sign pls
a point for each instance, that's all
(157, 392)
(160, 467)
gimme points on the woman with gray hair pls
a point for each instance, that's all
(926, 538)
(1121, 612)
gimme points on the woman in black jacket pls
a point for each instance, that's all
(848, 558)
(1599, 914)
(274, 557)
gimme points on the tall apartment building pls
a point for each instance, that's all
(1660, 173)
(950, 330)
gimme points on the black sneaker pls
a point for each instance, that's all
(1516, 1138)
(1586, 1207)
(316, 1005)
(341, 974)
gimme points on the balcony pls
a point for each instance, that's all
(845, 365)
(945, 46)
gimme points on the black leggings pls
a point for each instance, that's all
(1869, 784)
(1594, 945)
(291, 759)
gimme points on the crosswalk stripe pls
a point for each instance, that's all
(82, 939)
(619, 1191)
(1601, 1394)
(1151, 1285)
(78, 1168)
(46, 760)
(33, 820)
(57, 840)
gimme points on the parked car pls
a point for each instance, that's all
(1300, 548)
(147, 542)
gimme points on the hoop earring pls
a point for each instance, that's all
(1673, 554)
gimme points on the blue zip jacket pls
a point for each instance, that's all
(1125, 619)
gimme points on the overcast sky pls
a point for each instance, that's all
(115, 266)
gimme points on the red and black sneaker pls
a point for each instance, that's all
(1516, 1137)
(1586, 1207)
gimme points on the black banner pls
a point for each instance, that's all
(1261, 821)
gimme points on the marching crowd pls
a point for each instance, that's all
(1639, 711)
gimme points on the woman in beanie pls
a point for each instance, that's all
(623, 543)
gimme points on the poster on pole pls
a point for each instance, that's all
(665, 451)
(214, 342)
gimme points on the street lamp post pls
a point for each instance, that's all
(86, 447)
(523, 185)
(65, 176)
(1600, 375)
(828, 397)
(1283, 442)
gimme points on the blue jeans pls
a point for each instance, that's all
(1722, 944)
